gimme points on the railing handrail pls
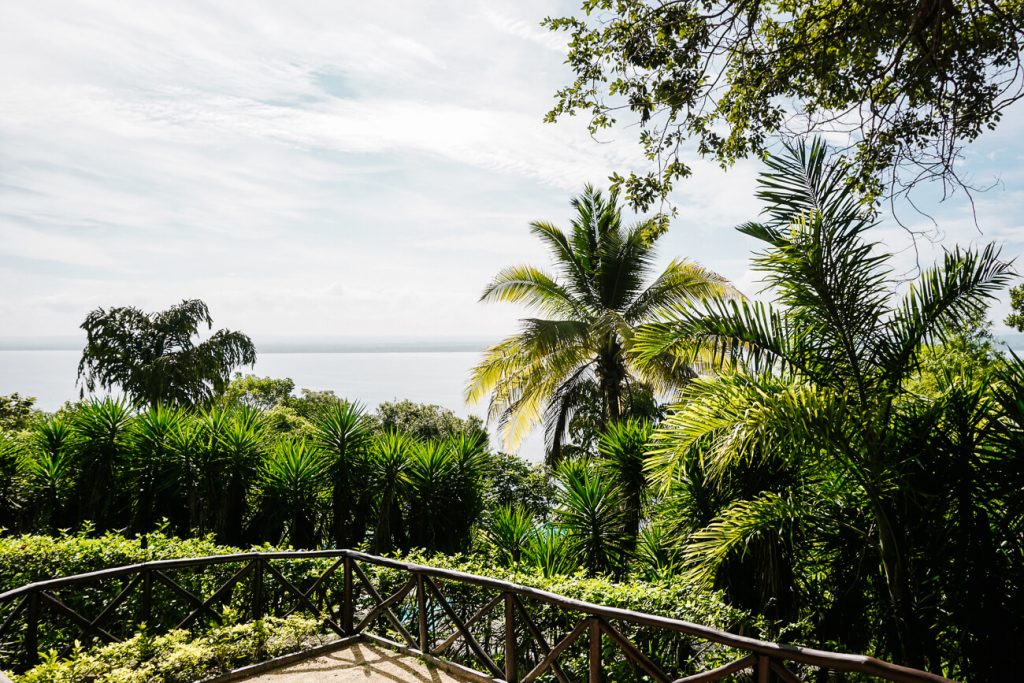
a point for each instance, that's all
(834, 660)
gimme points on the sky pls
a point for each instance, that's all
(333, 170)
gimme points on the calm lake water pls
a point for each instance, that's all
(371, 378)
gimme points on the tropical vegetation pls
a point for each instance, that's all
(581, 351)
(841, 466)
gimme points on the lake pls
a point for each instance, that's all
(369, 377)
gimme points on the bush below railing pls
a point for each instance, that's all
(509, 631)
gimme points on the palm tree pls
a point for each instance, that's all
(601, 291)
(819, 379)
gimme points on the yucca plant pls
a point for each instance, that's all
(50, 473)
(243, 442)
(10, 461)
(432, 496)
(293, 482)
(386, 461)
(656, 553)
(590, 508)
(508, 532)
(101, 427)
(153, 467)
(549, 550)
(623, 446)
(342, 431)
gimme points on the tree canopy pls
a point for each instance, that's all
(156, 358)
(909, 82)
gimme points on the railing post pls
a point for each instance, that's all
(147, 596)
(511, 675)
(346, 597)
(596, 671)
(257, 589)
(32, 630)
(763, 668)
(421, 611)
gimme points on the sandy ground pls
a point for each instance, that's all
(360, 662)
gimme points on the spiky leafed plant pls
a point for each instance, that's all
(386, 461)
(10, 465)
(243, 443)
(156, 358)
(154, 468)
(549, 549)
(508, 532)
(50, 472)
(823, 369)
(601, 291)
(100, 427)
(343, 431)
(590, 510)
(622, 446)
(443, 493)
(293, 479)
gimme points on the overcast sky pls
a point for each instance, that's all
(329, 169)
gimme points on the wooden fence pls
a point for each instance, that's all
(506, 631)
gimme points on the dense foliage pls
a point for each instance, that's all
(909, 82)
(336, 480)
(813, 478)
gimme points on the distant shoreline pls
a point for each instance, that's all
(411, 346)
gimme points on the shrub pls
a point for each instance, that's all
(179, 656)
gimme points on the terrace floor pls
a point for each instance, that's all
(364, 662)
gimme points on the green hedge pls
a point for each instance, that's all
(30, 558)
(179, 656)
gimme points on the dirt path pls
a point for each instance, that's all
(360, 662)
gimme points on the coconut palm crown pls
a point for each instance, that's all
(580, 345)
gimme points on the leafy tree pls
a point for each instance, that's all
(909, 82)
(16, 412)
(820, 386)
(511, 480)
(154, 357)
(1016, 317)
(424, 421)
(600, 295)
(258, 392)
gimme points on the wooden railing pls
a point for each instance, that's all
(508, 632)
